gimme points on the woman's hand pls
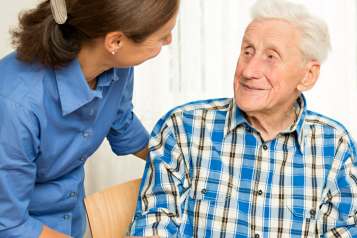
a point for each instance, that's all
(49, 233)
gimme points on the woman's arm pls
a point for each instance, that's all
(50, 233)
(142, 154)
(127, 135)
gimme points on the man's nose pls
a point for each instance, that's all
(253, 69)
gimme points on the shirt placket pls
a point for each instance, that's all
(260, 188)
(89, 112)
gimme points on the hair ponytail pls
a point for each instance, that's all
(39, 39)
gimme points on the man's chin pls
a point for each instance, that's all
(250, 104)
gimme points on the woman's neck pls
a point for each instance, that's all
(92, 63)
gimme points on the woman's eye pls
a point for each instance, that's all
(164, 39)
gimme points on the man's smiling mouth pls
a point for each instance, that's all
(251, 88)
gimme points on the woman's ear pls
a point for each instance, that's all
(312, 70)
(112, 41)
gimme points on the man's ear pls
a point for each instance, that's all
(312, 71)
(112, 41)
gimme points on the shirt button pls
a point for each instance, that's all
(312, 212)
(260, 192)
(72, 194)
(265, 147)
(136, 216)
(203, 191)
(86, 134)
(66, 217)
(256, 236)
(81, 159)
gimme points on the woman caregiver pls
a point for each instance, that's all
(68, 85)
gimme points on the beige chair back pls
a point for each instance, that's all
(111, 210)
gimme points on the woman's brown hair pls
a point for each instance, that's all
(39, 39)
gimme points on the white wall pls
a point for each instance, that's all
(8, 18)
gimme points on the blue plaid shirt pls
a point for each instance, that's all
(210, 174)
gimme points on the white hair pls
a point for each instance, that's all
(315, 38)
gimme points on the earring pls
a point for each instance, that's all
(113, 52)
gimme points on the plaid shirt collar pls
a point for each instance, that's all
(235, 117)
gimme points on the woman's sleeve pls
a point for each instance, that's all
(127, 135)
(19, 143)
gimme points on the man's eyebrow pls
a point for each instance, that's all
(267, 44)
(247, 40)
(272, 45)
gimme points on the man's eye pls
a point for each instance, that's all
(247, 53)
(271, 57)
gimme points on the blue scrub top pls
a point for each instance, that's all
(50, 123)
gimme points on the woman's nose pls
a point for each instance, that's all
(168, 40)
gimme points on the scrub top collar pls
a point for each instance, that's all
(74, 91)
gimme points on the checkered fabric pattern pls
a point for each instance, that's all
(210, 174)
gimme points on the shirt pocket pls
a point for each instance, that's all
(213, 190)
(207, 205)
(303, 218)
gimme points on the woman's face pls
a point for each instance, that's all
(132, 54)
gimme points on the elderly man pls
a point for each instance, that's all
(261, 164)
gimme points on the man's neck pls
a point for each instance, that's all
(270, 123)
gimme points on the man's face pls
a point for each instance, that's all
(268, 69)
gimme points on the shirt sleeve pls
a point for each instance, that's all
(19, 142)
(338, 213)
(165, 186)
(127, 134)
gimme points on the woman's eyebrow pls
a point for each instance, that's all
(165, 36)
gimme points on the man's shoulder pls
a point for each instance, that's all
(187, 111)
(314, 118)
(219, 104)
(329, 126)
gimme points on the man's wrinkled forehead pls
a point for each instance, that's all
(270, 34)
